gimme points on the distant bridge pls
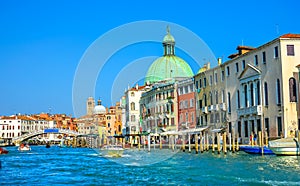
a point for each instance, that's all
(23, 137)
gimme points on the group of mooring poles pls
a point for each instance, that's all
(171, 142)
(217, 143)
(202, 142)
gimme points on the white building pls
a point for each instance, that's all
(132, 111)
(14, 126)
(10, 127)
(261, 89)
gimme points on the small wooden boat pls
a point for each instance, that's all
(24, 147)
(3, 151)
(285, 147)
(256, 150)
(112, 150)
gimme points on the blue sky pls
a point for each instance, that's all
(42, 42)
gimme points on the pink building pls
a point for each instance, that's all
(186, 104)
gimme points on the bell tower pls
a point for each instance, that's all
(90, 105)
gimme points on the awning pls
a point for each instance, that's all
(172, 132)
(218, 130)
(154, 134)
(194, 131)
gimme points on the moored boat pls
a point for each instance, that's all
(285, 147)
(256, 150)
(112, 150)
(3, 151)
(24, 147)
(62, 144)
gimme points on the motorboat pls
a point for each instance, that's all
(285, 147)
(24, 147)
(62, 144)
(3, 151)
(256, 150)
(112, 150)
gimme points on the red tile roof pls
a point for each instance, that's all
(289, 35)
(139, 88)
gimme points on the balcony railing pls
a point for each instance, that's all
(222, 106)
(204, 110)
(253, 110)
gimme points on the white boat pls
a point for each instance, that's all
(285, 147)
(112, 150)
(62, 144)
(23, 147)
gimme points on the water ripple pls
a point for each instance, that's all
(61, 166)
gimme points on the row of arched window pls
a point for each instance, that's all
(250, 100)
(9, 135)
(252, 95)
(9, 127)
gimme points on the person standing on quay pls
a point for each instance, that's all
(255, 137)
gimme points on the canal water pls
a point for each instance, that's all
(83, 166)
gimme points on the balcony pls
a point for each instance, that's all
(204, 110)
(210, 108)
(254, 110)
(215, 107)
(222, 106)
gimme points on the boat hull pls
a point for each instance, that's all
(286, 151)
(24, 149)
(285, 147)
(3, 151)
(112, 151)
(256, 150)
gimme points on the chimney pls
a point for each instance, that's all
(244, 49)
(219, 61)
(208, 66)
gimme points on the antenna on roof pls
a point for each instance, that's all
(277, 29)
(242, 42)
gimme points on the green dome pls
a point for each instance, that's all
(168, 67)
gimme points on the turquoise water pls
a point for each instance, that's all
(81, 166)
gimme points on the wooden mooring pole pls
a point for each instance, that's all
(160, 142)
(224, 143)
(207, 142)
(218, 143)
(237, 142)
(183, 143)
(233, 142)
(196, 143)
(213, 143)
(201, 142)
